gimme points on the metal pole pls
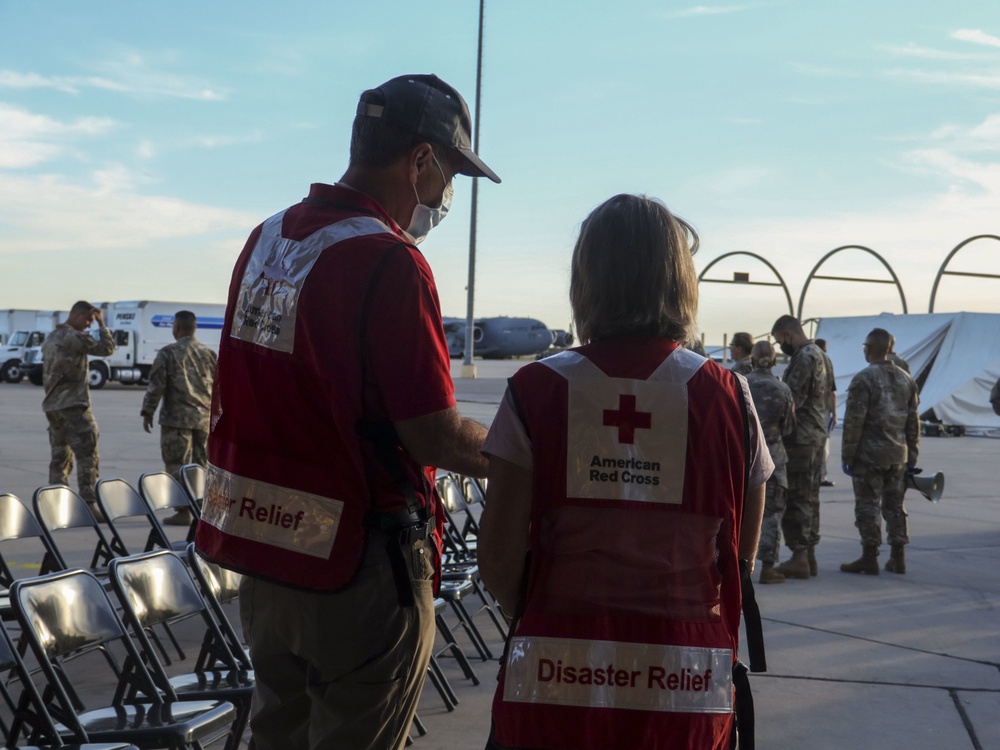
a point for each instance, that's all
(468, 368)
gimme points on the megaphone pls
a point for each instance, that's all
(930, 486)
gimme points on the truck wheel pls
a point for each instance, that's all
(11, 372)
(35, 376)
(97, 377)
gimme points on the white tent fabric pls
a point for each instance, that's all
(957, 355)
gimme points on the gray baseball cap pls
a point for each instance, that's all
(430, 108)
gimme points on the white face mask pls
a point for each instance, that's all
(425, 218)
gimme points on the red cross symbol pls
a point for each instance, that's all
(627, 419)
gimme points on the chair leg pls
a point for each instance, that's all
(470, 628)
(440, 684)
(455, 649)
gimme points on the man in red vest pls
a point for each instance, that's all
(333, 402)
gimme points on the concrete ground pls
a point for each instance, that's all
(862, 662)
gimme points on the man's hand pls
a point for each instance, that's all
(97, 315)
(147, 422)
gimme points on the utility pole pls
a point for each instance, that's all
(468, 368)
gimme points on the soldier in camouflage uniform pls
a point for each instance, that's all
(776, 409)
(182, 376)
(880, 444)
(895, 358)
(809, 379)
(739, 349)
(72, 427)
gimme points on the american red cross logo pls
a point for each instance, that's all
(627, 419)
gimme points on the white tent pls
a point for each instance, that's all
(954, 356)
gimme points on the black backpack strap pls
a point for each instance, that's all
(751, 615)
(751, 612)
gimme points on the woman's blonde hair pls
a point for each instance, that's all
(633, 273)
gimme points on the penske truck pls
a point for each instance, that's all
(20, 330)
(140, 329)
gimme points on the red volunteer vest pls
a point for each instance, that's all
(289, 484)
(631, 620)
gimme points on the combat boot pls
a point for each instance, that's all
(867, 563)
(813, 565)
(897, 559)
(769, 575)
(796, 567)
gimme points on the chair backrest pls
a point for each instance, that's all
(219, 586)
(17, 523)
(59, 509)
(156, 588)
(162, 492)
(474, 490)
(118, 500)
(24, 714)
(193, 479)
(455, 510)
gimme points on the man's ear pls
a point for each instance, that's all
(420, 158)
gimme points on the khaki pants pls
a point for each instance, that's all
(339, 670)
(73, 433)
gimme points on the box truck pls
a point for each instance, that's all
(140, 329)
(19, 331)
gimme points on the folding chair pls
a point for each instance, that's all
(156, 588)
(118, 500)
(25, 715)
(219, 586)
(193, 480)
(162, 492)
(459, 561)
(59, 510)
(16, 525)
(72, 628)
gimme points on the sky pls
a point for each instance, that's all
(140, 143)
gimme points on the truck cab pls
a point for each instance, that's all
(12, 354)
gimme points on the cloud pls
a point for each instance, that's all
(943, 78)
(222, 141)
(824, 70)
(129, 73)
(927, 53)
(976, 37)
(28, 139)
(108, 212)
(913, 235)
(710, 10)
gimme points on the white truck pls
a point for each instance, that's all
(20, 330)
(140, 329)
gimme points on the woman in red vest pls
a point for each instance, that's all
(626, 483)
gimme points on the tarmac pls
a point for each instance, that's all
(891, 661)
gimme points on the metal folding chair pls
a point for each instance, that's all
(72, 628)
(156, 588)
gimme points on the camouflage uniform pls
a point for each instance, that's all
(881, 436)
(808, 378)
(182, 375)
(742, 366)
(72, 427)
(901, 363)
(776, 410)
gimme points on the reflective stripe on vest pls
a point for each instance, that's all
(265, 315)
(266, 513)
(275, 274)
(606, 674)
(626, 438)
